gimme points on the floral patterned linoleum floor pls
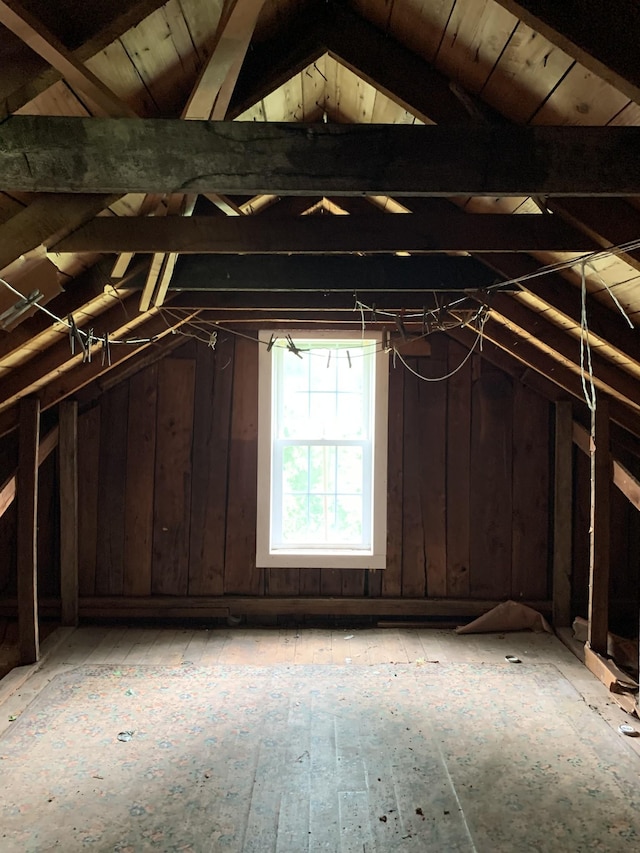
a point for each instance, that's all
(432, 757)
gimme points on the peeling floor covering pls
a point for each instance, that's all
(292, 740)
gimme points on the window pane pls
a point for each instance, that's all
(295, 470)
(294, 518)
(322, 469)
(349, 519)
(349, 470)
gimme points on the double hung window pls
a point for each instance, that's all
(322, 451)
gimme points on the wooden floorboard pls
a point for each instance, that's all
(334, 785)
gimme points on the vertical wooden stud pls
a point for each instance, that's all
(599, 529)
(68, 460)
(27, 493)
(562, 516)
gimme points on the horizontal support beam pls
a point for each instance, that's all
(347, 273)
(305, 301)
(105, 155)
(170, 606)
(375, 234)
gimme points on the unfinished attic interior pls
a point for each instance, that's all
(318, 338)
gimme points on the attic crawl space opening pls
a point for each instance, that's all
(322, 451)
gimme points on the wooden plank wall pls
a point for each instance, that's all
(168, 468)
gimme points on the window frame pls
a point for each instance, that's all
(313, 557)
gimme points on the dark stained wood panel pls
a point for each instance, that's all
(433, 424)
(139, 492)
(531, 497)
(88, 493)
(414, 546)
(48, 529)
(241, 575)
(172, 500)
(392, 575)
(456, 483)
(458, 471)
(211, 435)
(491, 493)
(111, 491)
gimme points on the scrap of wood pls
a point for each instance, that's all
(613, 678)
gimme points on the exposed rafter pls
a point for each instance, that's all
(44, 43)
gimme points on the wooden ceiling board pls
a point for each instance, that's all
(418, 24)
(201, 20)
(476, 35)
(160, 48)
(314, 90)
(529, 68)
(629, 115)
(114, 67)
(580, 98)
(387, 111)
(57, 100)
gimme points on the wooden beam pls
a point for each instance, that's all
(330, 274)
(303, 301)
(61, 154)
(599, 531)
(613, 380)
(212, 93)
(376, 57)
(555, 291)
(206, 606)
(532, 356)
(41, 41)
(75, 378)
(208, 100)
(49, 218)
(609, 222)
(51, 361)
(601, 37)
(27, 530)
(68, 461)
(274, 61)
(562, 516)
(122, 16)
(622, 478)
(8, 489)
(375, 234)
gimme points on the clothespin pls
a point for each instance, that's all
(272, 341)
(213, 340)
(106, 350)
(400, 326)
(424, 320)
(74, 335)
(349, 358)
(374, 318)
(87, 356)
(293, 348)
(329, 359)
